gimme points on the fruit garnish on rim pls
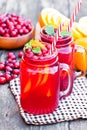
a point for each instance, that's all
(37, 50)
(65, 34)
(50, 30)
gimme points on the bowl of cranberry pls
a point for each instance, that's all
(14, 31)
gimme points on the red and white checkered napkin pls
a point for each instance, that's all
(70, 108)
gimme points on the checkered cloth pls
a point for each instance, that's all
(70, 108)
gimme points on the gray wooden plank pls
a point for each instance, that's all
(83, 10)
(78, 125)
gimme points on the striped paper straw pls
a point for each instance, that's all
(53, 45)
(59, 29)
(75, 12)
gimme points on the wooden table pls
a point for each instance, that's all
(10, 118)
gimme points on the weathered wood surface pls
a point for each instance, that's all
(10, 118)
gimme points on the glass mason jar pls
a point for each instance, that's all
(67, 50)
(40, 83)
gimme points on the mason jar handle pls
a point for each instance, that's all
(66, 68)
(80, 55)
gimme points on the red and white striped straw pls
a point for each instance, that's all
(59, 31)
(75, 12)
(53, 45)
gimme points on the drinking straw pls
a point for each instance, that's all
(59, 30)
(75, 12)
(53, 46)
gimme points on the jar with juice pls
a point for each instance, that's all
(40, 78)
(66, 52)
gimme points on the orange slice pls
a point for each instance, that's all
(44, 15)
(80, 58)
(36, 43)
(80, 61)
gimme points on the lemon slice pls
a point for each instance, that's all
(82, 28)
(51, 16)
(76, 34)
(56, 20)
(82, 42)
(83, 20)
(44, 14)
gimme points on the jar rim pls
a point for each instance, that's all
(45, 58)
(67, 41)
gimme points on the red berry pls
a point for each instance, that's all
(14, 76)
(20, 54)
(16, 71)
(1, 74)
(2, 66)
(8, 77)
(8, 68)
(11, 55)
(2, 80)
(16, 65)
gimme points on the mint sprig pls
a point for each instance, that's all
(50, 30)
(65, 34)
(36, 50)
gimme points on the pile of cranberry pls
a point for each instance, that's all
(10, 68)
(12, 25)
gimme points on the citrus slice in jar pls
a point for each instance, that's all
(80, 60)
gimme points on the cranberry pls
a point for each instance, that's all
(2, 66)
(11, 65)
(40, 54)
(2, 80)
(18, 26)
(3, 25)
(6, 35)
(20, 54)
(28, 51)
(11, 55)
(16, 71)
(14, 76)
(1, 74)
(8, 68)
(21, 31)
(12, 25)
(2, 31)
(8, 77)
(35, 57)
(25, 31)
(44, 51)
(16, 65)
(13, 33)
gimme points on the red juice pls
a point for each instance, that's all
(66, 49)
(40, 86)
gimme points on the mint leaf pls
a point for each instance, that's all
(36, 50)
(49, 30)
(65, 33)
(27, 45)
